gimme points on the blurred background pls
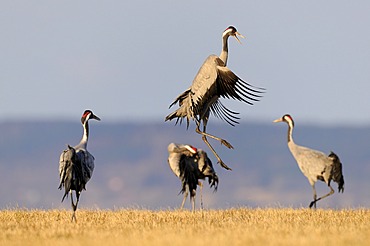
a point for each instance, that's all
(127, 61)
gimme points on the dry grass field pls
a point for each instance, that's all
(239, 226)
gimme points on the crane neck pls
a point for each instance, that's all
(85, 135)
(225, 49)
(290, 134)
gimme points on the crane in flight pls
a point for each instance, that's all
(213, 81)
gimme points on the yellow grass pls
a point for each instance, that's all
(241, 226)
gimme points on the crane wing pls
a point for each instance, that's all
(188, 173)
(230, 85)
(311, 162)
(68, 170)
(206, 169)
(65, 163)
(204, 86)
(181, 98)
(214, 80)
(75, 169)
(86, 161)
(176, 155)
(196, 99)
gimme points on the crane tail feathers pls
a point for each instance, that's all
(213, 182)
(71, 174)
(337, 171)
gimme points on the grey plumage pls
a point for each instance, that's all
(76, 164)
(214, 80)
(191, 165)
(315, 165)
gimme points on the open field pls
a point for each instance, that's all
(239, 226)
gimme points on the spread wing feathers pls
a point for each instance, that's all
(212, 81)
(188, 174)
(70, 172)
(337, 174)
(220, 111)
(230, 85)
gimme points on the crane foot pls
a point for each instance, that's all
(312, 204)
(224, 165)
(74, 217)
(226, 143)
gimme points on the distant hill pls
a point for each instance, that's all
(132, 171)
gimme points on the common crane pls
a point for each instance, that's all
(214, 80)
(76, 164)
(191, 165)
(315, 165)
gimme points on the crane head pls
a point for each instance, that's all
(192, 149)
(88, 115)
(286, 118)
(231, 31)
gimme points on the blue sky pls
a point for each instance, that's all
(128, 60)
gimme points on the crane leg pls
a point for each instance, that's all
(204, 137)
(192, 199)
(318, 199)
(205, 134)
(74, 208)
(183, 200)
(313, 203)
(214, 152)
(201, 194)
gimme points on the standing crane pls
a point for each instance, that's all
(76, 164)
(315, 165)
(190, 165)
(214, 80)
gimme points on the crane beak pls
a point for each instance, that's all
(278, 120)
(236, 37)
(95, 117)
